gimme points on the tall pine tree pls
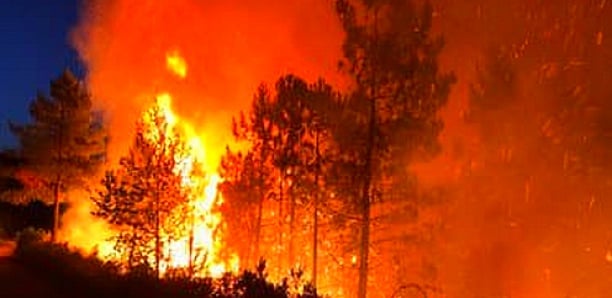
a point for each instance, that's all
(390, 116)
(65, 143)
(252, 172)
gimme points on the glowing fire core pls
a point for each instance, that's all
(199, 248)
(206, 237)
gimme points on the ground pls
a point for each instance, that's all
(16, 281)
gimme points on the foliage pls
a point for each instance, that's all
(279, 180)
(65, 143)
(248, 177)
(10, 185)
(145, 195)
(30, 236)
(241, 188)
(391, 116)
(16, 217)
(75, 275)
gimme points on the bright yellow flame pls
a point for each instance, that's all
(199, 246)
(204, 234)
(176, 64)
(164, 103)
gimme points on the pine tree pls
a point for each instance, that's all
(146, 193)
(255, 129)
(65, 143)
(294, 139)
(317, 155)
(391, 114)
(10, 163)
(242, 202)
(289, 111)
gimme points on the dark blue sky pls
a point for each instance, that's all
(34, 48)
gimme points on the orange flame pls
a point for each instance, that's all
(176, 64)
(202, 62)
(206, 237)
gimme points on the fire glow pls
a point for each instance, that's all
(200, 247)
(206, 236)
(199, 63)
(205, 239)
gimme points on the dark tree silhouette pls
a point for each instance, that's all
(391, 114)
(295, 140)
(250, 176)
(65, 143)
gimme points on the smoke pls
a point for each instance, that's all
(524, 174)
(229, 46)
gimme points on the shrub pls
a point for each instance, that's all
(76, 275)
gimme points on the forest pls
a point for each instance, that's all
(346, 148)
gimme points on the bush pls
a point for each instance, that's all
(30, 236)
(3, 233)
(76, 275)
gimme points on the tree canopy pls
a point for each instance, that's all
(64, 145)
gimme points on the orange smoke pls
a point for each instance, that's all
(231, 47)
(201, 61)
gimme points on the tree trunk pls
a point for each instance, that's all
(291, 231)
(315, 227)
(364, 245)
(157, 234)
(364, 248)
(280, 224)
(58, 178)
(257, 255)
(191, 242)
(56, 210)
(261, 194)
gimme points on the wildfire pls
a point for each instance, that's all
(205, 240)
(205, 237)
(200, 248)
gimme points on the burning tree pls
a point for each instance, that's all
(146, 195)
(283, 173)
(64, 145)
(248, 177)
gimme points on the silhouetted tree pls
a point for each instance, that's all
(289, 116)
(289, 127)
(64, 145)
(240, 188)
(10, 162)
(319, 104)
(390, 117)
(249, 176)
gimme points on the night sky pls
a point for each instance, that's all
(34, 49)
